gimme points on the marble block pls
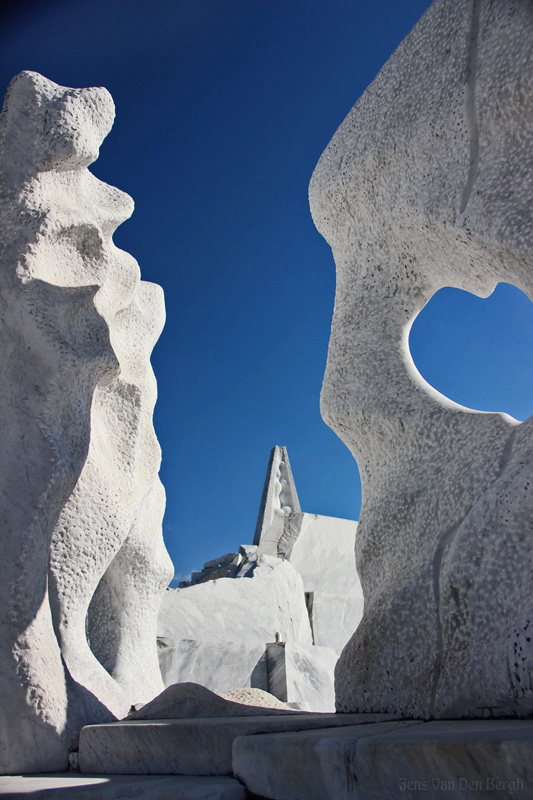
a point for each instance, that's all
(253, 610)
(199, 746)
(428, 183)
(301, 674)
(313, 764)
(80, 498)
(462, 760)
(334, 618)
(220, 666)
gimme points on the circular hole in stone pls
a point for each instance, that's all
(477, 351)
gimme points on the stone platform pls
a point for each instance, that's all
(73, 786)
(452, 760)
(189, 746)
(295, 757)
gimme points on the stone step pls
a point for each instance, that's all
(73, 786)
(188, 746)
(408, 760)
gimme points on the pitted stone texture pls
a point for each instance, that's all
(428, 183)
(254, 610)
(79, 461)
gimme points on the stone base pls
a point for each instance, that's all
(463, 760)
(187, 746)
(73, 786)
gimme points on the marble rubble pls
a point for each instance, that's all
(83, 562)
(428, 183)
(275, 615)
(192, 701)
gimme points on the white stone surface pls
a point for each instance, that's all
(219, 666)
(310, 764)
(250, 610)
(334, 618)
(80, 500)
(301, 674)
(323, 552)
(108, 787)
(198, 746)
(462, 760)
(322, 549)
(428, 183)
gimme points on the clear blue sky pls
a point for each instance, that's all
(223, 109)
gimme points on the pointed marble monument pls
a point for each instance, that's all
(279, 493)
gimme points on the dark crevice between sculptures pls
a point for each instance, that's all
(470, 106)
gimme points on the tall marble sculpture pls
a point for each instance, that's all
(82, 565)
(428, 183)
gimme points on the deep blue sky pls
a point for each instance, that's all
(223, 109)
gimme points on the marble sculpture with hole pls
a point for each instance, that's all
(428, 183)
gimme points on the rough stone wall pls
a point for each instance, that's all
(428, 183)
(80, 499)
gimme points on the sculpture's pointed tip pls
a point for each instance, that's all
(279, 492)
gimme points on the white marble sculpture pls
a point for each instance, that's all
(428, 183)
(81, 502)
(280, 498)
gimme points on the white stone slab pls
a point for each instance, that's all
(108, 787)
(462, 760)
(184, 746)
(306, 765)
(428, 183)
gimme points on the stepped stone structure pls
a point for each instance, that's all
(428, 183)
(83, 564)
(274, 616)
